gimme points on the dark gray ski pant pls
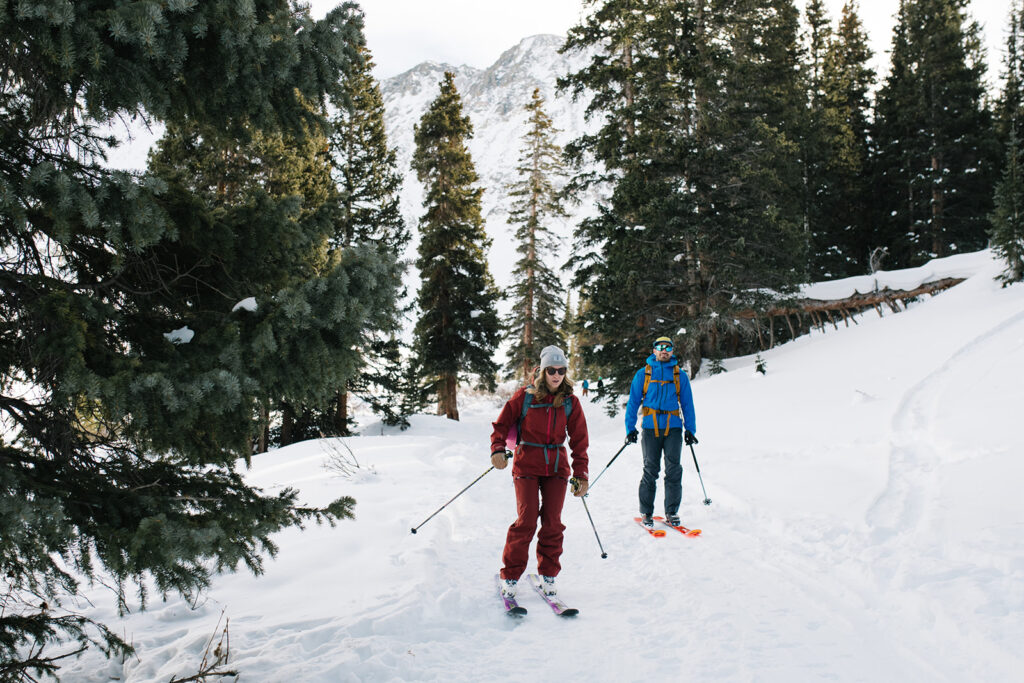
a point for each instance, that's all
(671, 444)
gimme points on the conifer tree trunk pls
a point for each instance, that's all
(530, 308)
(287, 424)
(528, 336)
(627, 63)
(264, 426)
(448, 392)
(938, 205)
(341, 415)
(699, 128)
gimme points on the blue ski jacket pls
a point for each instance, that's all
(661, 395)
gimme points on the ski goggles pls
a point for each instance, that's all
(554, 371)
(663, 347)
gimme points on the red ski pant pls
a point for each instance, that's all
(536, 497)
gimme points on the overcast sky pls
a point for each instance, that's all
(403, 33)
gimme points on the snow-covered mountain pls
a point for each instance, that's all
(494, 99)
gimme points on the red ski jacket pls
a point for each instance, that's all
(541, 451)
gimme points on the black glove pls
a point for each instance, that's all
(689, 438)
(631, 437)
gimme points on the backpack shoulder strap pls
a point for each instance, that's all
(675, 376)
(527, 400)
(567, 402)
(647, 378)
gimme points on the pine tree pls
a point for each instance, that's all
(122, 443)
(367, 211)
(365, 169)
(363, 190)
(641, 77)
(935, 154)
(752, 231)
(458, 327)
(533, 322)
(840, 207)
(818, 38)
(765, 101)
(814, 147)
(1008, 216)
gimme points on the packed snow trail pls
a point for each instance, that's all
(866, 525)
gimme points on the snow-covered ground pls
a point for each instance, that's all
(866, 524)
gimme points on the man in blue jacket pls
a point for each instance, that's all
(660, 389)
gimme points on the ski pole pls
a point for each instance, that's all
(606, 468)
(707, 501)
(583, 499)
(414, 529)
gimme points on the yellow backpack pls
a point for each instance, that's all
(652, 411)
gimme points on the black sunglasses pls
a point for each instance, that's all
(554, 371)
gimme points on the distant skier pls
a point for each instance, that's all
(661, 389)
(600, 385)
(586, 386)
(544, 412)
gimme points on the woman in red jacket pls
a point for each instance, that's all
(540, 468)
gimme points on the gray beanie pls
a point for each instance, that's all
(552, 356)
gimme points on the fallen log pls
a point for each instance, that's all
(857, 301)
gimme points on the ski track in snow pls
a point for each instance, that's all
(947, 573)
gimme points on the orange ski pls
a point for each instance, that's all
(681, 529)
(653, 532)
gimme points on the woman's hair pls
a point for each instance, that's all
(540, 389)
